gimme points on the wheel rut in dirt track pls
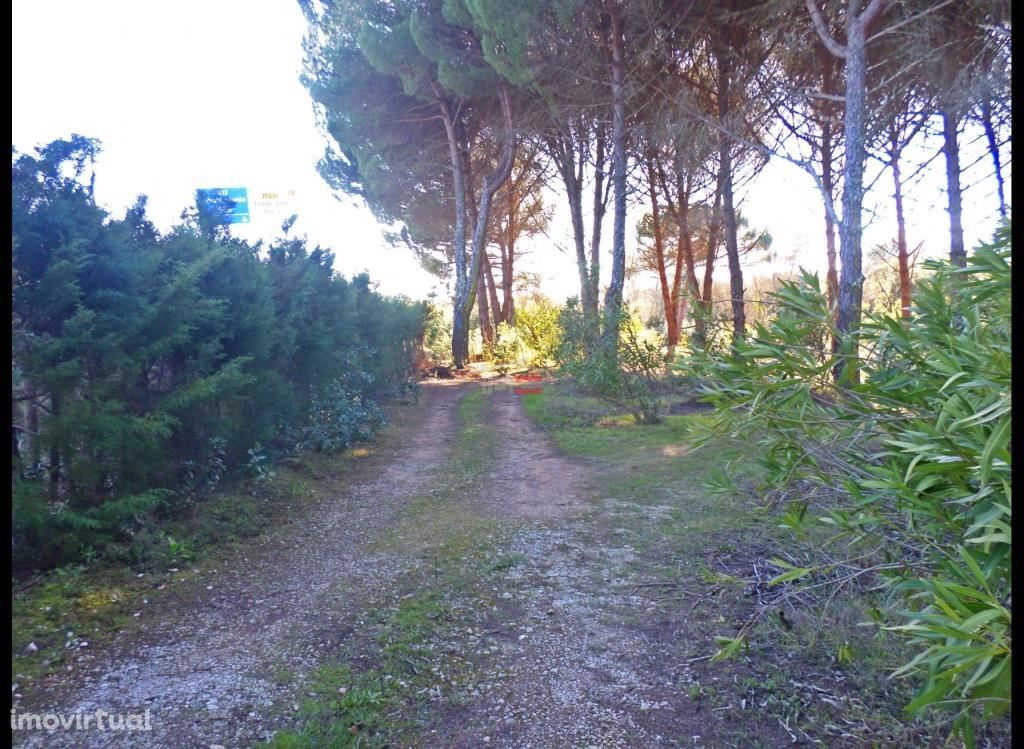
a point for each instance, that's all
(561, 670)
(202, 662)
(529, 480)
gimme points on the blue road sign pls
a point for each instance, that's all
(230, 203)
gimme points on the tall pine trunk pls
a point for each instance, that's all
(507, 312)
(571, 171)
(993, 151)
(685, 251)
(483, 309)
(732, 250)
(901, 230)
(508, 307)
(682, 256)
(492, 182)
(492, 289)
(678, 295)
(827, 63)
(951, 149)
(707, 286)
(572, 179)
(851, 282)
(460, 321)
(599, 208)
(828, 184)
(613, 299)
(667, 299)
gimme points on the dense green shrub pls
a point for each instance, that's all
(338, 417)
(437, 337)
(630, 377)
(533, 340)
(539, 329)
(507, 348)
(146, 367)
(914, 461)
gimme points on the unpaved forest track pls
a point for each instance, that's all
(558, 680)
(558, 649)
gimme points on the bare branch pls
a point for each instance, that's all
(820, 95)
(908, 19)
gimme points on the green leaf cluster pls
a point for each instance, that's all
(914, 461)
(538, 326)
(628, 374)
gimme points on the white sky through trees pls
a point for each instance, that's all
(206, 93)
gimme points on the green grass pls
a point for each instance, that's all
(92, 604)
(474, 447)
(347, 708)
(397, 693)
(436, 523)
(96, 602)
(585, 427)
(660, 497)
(610, 437)
(566, 409)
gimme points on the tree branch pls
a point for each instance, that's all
(821, 27)
(870, 13)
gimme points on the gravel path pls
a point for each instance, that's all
(560, 670)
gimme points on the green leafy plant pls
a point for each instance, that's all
(258, 467)
(202, 476)
(630, 377)
(178, 551)
(338, 417)
(504, 352)
(910, 467)
(437, 337)
(539, 329)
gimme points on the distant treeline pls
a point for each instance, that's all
(148, 365)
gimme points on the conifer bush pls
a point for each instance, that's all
(147, 366)
(539, 329)
(629, 374)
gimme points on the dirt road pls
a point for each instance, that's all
(541, 616)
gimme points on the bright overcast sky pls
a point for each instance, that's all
(186, 95)
(206, 93)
